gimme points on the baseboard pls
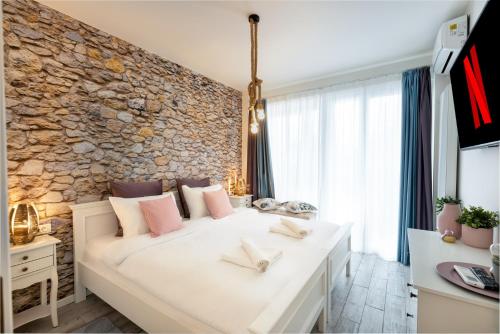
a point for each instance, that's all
(65, 301)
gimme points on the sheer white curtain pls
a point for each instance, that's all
(339, 148)
(295, 146)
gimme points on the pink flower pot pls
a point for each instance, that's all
(447, 220)
(477, 237)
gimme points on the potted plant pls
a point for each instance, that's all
(448, 211)
(477, 226)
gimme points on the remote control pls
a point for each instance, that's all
(468, 277)
(488, 281)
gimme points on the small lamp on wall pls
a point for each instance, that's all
(23, 220)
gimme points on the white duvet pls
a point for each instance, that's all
(185, 270)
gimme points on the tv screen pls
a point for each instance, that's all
(475, 81)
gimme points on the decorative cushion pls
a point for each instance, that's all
(192, 183)
(134, 189)
(130, 214)
(298, 207)
(218, 203)
(266, 204)
(195, 202)
(161, 215)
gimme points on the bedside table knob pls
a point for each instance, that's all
(25, 269)
(25, 257)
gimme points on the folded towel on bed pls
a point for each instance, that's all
(291, 229)
(256, 255)
(298, 228)
(241, 257)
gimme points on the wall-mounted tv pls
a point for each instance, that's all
(475, 81)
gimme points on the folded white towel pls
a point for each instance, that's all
(282, 229)
(256, 255)
(291, 229)
(239, 257)
(296, 227)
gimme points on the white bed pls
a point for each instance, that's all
(178, 283)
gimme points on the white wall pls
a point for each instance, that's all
(358, 74)
(478, 180)
(479, 169)
(6, 302)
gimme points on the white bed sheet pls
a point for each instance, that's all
(96, 248)
(185, 270)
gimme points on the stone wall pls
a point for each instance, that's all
(84, 107)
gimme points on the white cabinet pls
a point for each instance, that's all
(32, 263)
(244, 201)
(443, 306)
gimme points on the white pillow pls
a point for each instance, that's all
(130, 214)
(195, 202)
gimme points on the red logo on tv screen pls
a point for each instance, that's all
(475, 87)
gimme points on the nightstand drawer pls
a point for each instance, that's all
(29, 267)
(30, 255)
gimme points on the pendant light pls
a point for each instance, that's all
(256, 107)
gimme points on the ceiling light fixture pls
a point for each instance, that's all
(256, 106)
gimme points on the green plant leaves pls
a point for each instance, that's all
(441, 201)
(477, 217)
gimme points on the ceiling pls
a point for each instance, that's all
(298, 41)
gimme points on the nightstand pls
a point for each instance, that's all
(244, 201)
(32, 263)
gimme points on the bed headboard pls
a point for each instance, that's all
(91, 220)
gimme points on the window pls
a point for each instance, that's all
(339, 149)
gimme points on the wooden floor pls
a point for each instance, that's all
(373, 299)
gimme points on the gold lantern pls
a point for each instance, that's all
(23, 219)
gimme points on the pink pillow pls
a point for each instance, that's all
(218, 203)
(161, 215)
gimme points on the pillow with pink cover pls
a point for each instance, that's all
(161, 215)
(218, 203)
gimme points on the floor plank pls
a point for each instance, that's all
(376, 299)
(396, 286)
(357, 295)
(394, 314)
(363, 277)
(353, 311)
(372, 320)
(336, 311)
(346, 326)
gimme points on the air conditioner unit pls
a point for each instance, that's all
(450, 39)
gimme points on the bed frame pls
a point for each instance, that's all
(305, 299)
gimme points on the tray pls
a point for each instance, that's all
(446, 270)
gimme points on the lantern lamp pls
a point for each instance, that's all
(23, 220)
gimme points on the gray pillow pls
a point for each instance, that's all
(298, 207)
(266, 204)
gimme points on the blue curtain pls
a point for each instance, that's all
(259, 168)
(265, 180)
(415, 208)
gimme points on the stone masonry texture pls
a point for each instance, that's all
(85, 107)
